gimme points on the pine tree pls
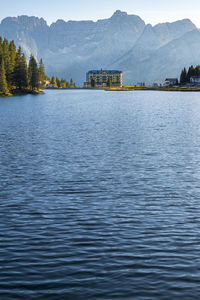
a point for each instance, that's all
(183, 78)
(58, 82)
(20, 74)
(17, 71)
(0, 44)
(191, 72)
(23, 72)
(14, 73)
(71, 83)
(42, 75)
(12, 53)
(33, 73)
(54, 82)
(7, 61)
(3, 83)
(63, 83)
(1, 48)
(197, 71)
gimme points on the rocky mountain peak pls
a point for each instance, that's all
(119, 13)
(26, 21)
(122, 41)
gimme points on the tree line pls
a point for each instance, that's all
(61, 83)
(15, 73)
(187, 74)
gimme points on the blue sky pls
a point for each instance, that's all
(152, 11)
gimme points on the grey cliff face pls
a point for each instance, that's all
(123, 41)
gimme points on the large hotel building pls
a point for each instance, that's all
(103, 78)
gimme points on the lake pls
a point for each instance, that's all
(100, 195)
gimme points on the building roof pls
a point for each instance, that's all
(171, 79)
(105, 71)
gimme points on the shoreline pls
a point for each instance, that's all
(15, 93)
(122, 89)
(170, 89)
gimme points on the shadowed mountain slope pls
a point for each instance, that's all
(125, 42)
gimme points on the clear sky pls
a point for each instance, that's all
(151, 11)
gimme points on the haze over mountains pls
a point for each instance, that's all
(143, 52)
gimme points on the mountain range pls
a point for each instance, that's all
(144, 53)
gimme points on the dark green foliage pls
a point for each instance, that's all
(197, 70)
(15, 75)
(16, 72)
(7, 61)
(186, 75)
(12, 54)
(33, 73)
(42, 75)
(3, 82)
(20, 73)
(191, 72)
(23, 72)
(61, 83)
(71, 82)
(183, 77)
(54, 82)
(58, 82)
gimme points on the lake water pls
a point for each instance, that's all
(100, 196)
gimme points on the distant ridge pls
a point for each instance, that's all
(143, 52)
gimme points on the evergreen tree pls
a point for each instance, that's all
(17, 72)
(33, 73)
(58, 82)
(54, 82)
(23, 72)
(7, 61)
(3, 83)
(72, 84)
(20, 74)
(0, 44)
(42, 75)
(197, 71)
(191, 72)
(183, 78)
(14, 73)
(63, 83)
(12, 53)
(1, 49)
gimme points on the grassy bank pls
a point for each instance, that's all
(170, 89)
(13, 93)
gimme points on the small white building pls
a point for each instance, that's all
(171, 81)
(195, 80)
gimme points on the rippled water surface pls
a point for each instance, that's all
(100, 196)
